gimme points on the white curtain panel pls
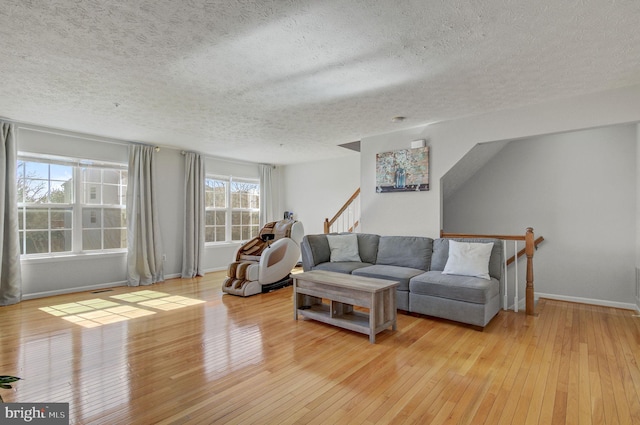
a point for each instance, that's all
(145, 264)
(10, 274)
(193, 236)
(266, 194)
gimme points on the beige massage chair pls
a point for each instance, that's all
(265, 262)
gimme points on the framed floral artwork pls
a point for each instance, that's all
(404, 170)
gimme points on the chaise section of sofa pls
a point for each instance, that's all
(466, 299)
(417, 264)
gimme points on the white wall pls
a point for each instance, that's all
(576, 189)
(63, 274)
(65, 143)
(317, 190)
(170, 178)
(218, 256)
(419, 213)
(170, 198)
(49, 276)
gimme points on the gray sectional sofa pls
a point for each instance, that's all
(417, 263)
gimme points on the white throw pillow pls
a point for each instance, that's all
(344, 248)
(469, 259)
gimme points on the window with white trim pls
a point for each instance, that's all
(232, 209)
(104, 216)
(69, 205)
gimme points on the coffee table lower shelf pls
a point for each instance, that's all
(353, 320)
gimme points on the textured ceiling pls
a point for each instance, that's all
(287, 81)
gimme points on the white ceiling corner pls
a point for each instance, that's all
(289, 81)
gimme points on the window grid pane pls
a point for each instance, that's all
(216, 193)
(36, 242)
(245, 213)
(60, 240)
(237, 199)
(46, 204)
(215, 223)
(104, 223)
(42, 183)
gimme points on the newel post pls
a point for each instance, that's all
(528, 250)
(327, 226)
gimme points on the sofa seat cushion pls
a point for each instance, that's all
(461, 288)
(340, 266)
(399, 274)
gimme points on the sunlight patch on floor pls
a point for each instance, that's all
(97, 312)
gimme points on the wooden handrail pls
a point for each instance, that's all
(522, 251)
(529, 247)
(468, 235)
(328, 223)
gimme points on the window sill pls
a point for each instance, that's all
(222, 244)
(71, 257)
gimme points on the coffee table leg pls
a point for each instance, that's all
(372, 319)
(393, 308)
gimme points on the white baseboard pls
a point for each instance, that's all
(603, 303)
(72, 290)
(85, 288)
(216, 269)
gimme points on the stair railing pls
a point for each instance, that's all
(347, 219)
(528, 250)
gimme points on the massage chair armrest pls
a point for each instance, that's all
(297, 232)
(278, 260)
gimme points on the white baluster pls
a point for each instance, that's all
(505, 302)
(515, 298)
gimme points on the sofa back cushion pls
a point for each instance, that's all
(368, 247)
(405, 251)
(316, 249)
(441, 254)
(319, 247)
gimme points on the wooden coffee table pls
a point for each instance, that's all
(343, 291)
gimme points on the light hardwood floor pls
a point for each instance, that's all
(201, 357)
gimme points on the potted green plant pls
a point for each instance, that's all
(5, 382)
